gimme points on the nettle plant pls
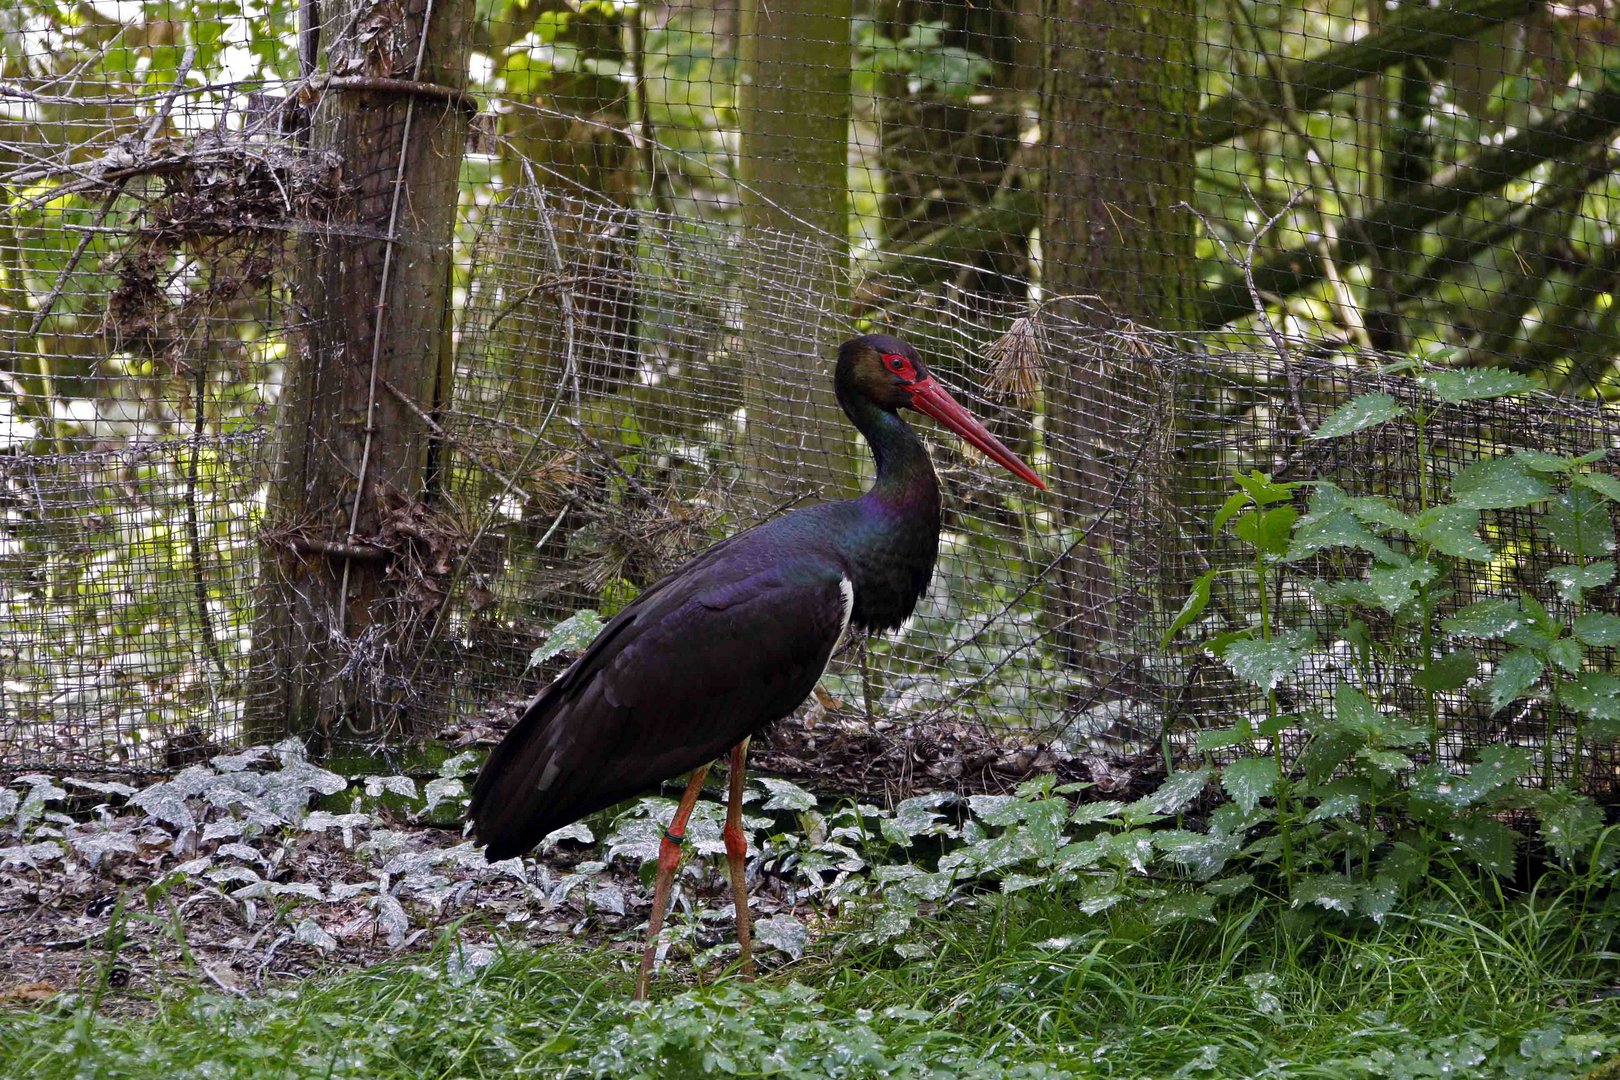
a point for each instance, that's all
(1354, 803)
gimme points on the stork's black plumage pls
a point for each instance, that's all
(736, 638)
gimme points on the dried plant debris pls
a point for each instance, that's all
(210, 232)
(1017, 355)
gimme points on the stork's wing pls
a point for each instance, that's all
(699, 662)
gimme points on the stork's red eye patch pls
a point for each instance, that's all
(900, 366)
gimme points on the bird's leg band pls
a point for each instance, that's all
(669, 847)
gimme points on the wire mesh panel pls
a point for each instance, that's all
(348, 350)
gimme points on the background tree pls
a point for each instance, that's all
(793, 112)
(1117, 244)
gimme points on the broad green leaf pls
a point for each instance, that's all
(1095, 903)
(1384, 765)
(1377, 510)
(1604, 484)
(1234, 502)
(1089, 813)
(1516, 673)
(1578, 521)
(1404, 863)
(1263, 489)
(1221, 738)
(1132, 849)
(1498, 484)
(1497, 767)
(784, 933)
(1431, 794)
(1542, 461)
(1227, 818)
(1570, 822)
(1249, 780)
(1572, 580)
(1355, 712)
(1230, 885)
(1358, 414)
(570, 636)
(1335, 527)
(1488, 842)
(1267, 663)
(1475, 384)
(1396, 586)
(1567, 654)
(1540, 617)
(1203, 854)
(1598, 629)
(1331, 745)
(1345, 592)
(1595, 694)
(1217, 644)
(1177, 791)
(1336, 804)
(1184, 907)
(1272, 726)
(785, 795)
(918, 816)
(1379, 898)
(1488, 619)
(1267, 530)
(1453, 530)
(1332, 891)
(1079, 856)
(997, 809)
(1449, 672)
(1197, 600)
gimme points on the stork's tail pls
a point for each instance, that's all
(507, 814)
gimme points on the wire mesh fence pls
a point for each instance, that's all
(349, 352)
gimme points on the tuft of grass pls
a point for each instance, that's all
(1003, 986)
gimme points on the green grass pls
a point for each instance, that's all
(1474, 987)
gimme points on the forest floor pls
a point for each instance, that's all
(257, 915)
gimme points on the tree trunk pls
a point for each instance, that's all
(1119, 160)
(348, 587)
(793, 107)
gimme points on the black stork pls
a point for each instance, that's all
(734, 640)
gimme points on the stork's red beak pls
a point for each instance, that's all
(932, 399)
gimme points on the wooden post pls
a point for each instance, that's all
(342, 605)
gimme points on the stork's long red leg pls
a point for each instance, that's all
(669, 857)
(737, 857)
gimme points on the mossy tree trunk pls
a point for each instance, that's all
(343, 606)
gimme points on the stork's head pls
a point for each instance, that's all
(888, 373)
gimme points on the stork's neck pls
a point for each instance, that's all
(890, 536)
(905, 475)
